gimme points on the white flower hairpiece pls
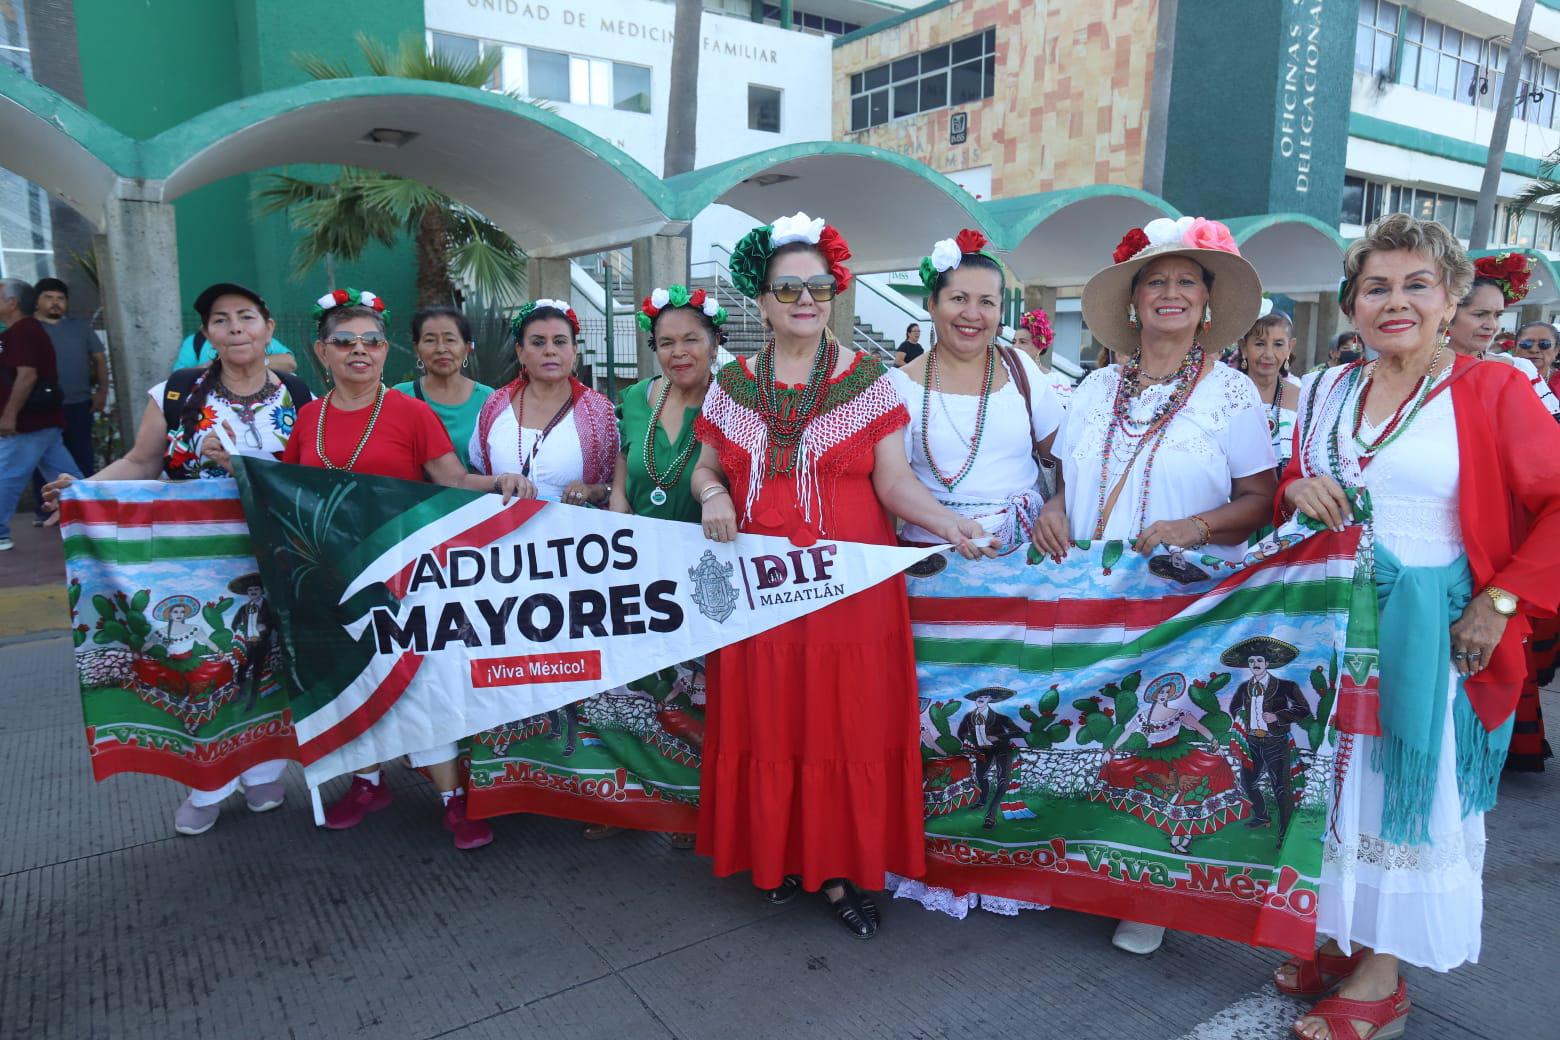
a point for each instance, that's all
(711, 306)
(1164, 231)
(946, 255)
(555, 304)
(1265, 309)
(798, 227)
(660, 298)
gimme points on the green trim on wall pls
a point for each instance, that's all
(115, 150)
(1245, 228)
(1015, 218)
(1369, 128)
(889, 22)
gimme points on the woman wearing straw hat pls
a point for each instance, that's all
(1170, 448)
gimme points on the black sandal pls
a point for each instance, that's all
(784, 892)
(857, 913)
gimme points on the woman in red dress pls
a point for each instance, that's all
(812, 766)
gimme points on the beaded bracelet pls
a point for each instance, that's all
(1207, 532)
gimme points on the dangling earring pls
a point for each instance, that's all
(1132, 318)
(1207, 321)
(465, 361)
(420, 366)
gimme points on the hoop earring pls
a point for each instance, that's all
(420, 366)
(1132, 317)
(466, 362)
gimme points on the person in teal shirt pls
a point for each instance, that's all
(197, 352)
(442, 338)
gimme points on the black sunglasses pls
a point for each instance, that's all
(789, 290)
(1536, 344)
(346, 340)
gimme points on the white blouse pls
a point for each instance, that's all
(1541, 388)
(1220, 435)
(1005, 464)
(556, 464)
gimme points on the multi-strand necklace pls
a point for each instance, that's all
(248, 406)
(319, 431)
(1148, 433)
(1406, 411)
(785, 431)
(527, 458)
(934, 383)
(662, 481)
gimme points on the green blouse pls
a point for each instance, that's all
(635, 405)
(460, 420)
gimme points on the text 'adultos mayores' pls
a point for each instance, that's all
(484, 617)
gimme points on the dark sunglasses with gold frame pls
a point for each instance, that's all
(789, 290)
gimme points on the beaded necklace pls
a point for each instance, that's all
(1401, 419)
(1149, 433)
(664, 481)
(980, 417)
(319, 431)
(248, 406)
(528, 457)
(785, 432)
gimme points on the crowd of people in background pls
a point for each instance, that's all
(971, 442)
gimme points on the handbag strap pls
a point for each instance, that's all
(1015, 370)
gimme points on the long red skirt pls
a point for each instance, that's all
(812, 761)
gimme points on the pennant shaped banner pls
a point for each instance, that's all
(175, 651)
(414, 615)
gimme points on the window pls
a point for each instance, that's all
(460, 48)
(958, 73)
(1353, 209)
(763, 108)
(551, 76)
(547, 75)
(818, 25)
(630, 87)
(1374, 36)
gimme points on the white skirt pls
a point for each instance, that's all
(1421, 903)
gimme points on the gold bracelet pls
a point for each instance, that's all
(1207, 532)
(711, 491)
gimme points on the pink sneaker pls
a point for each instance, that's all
(469, 833)
(265, 797)
(361, 799)
(191, 819)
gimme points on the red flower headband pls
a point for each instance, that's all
(1509, 271)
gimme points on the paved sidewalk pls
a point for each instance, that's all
(111, 926)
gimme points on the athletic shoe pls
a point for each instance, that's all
(361, 799)
(6, 543)
(469, 833)
(1134, 937)
(265, 797)
(191, 819)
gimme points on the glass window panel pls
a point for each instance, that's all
(858, 112)
(1472, 45)
(855, 83)
(1373, 197)
(989, 84)
(462, 48)
(27, 266)
(1424, 205)
(1386, 15)
(763, 108)
(1446, 210)
(833, 27)
(907, 99)
(1529, 232)
(511, 70)
(1351, 211)
(907, 68)
(1451, 40)
(1446, 81)
(813, 22)
(1395, 200)
(877, 77)
(21, 61)
(579, 80)
(965, 83)
(934, 91)
(547, 75)
(1409, 69)
(1463, 227)
(1383, 61)
(1413, 26)
(630, 88)
(936, 58)
(1432, 33)
(991, 41)
(13, 24)
(879, 112)
(967, 48)
(1364, 47)
(1467, 90)
(1367, 12)
(1429, 62)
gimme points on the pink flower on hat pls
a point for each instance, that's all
(1210, 234)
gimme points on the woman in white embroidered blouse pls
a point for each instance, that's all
(1264, 357)
(978, 413)
(1172, 448)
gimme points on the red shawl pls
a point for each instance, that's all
(594, 419)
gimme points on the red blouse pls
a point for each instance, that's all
(1508, 453)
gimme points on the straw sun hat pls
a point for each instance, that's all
(1234, 300)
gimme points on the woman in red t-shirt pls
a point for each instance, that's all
(363, 427)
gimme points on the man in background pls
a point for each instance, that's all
(31, 419)
(83, 371)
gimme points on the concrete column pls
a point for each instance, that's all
(1328, 323)
(1042, 296)
(1304, 348)
(659, 261)
(842, 319)
(547, 278)
(139, 269)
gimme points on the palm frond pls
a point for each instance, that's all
(399, 198)
(376, 55)
(1540, 192)
(485, 257)
(317, 67)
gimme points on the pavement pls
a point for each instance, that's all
(113, 926)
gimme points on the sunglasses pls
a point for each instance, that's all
(346, 340)
(1536, 344)
(789, 290)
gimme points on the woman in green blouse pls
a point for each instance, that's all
(442, 338)
(657, 446)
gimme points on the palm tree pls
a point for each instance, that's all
(342, 216)
(1544, 191)
(682, 108)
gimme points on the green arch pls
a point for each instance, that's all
(695, 191)
(1246, 228)
(1017, 217)
(117, 151)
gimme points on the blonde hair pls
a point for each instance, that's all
(1399, 231)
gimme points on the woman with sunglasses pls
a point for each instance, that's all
(255, 407)
(442, 338)
(362, 426)
(812, 767)
(1538, 343)
(1499, 282)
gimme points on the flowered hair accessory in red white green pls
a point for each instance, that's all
(1038, 324)
(750, 257)
(950, 253)
(1509, 271)
(349, 298)
(527, 309)
(680, 296)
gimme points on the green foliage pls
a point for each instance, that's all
(1112, 554)
(121, 619)
(1218, 723)
(73, 594)
(941, 713)
(1136, 742)
(1049, 701)
(1326, 688)
(140, 600)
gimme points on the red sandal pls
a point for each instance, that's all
(1387, 1018)
(1320, 975)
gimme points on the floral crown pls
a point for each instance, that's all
(1510, 271)
(349, 298)
(750, 258)
(527, 309)
(680, 296)
(1038, 324)
(1164, 235)
(950, 253)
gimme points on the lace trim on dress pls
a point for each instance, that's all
(1418, 519)
(1447, 853)
(947, 901)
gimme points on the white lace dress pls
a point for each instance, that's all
(1220, 435)
(1422, 903)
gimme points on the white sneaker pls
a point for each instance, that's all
(6, 543)
(1134, 937)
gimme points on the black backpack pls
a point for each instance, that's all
(179, 386)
